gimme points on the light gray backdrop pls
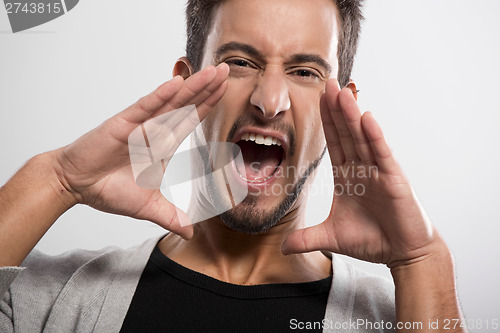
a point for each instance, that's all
(428, 70)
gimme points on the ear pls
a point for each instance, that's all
(351, 85)
(183, 68)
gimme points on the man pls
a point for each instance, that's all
(269, 72)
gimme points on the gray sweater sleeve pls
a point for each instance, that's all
(29, 292)
(71, 292)
(7, 276)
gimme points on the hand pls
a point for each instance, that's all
(382, 221)
(96, 169)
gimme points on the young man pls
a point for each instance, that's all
(268, 86)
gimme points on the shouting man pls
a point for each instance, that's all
(266, 78)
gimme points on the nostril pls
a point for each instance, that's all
(271, 105)
(271, 95)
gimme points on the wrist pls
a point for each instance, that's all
(47, 164)
(437, 262)
(431, 278)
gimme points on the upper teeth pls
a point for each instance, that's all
(260, 139)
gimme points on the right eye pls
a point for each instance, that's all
(239, 62)
(240, 67)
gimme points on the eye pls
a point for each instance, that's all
(240, 67)
(239, 62)
(306, 73)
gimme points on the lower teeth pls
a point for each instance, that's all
(258, 180)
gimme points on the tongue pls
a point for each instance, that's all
(260, 161)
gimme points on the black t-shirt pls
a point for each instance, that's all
(173, 298)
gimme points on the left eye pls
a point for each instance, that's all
(306, 73)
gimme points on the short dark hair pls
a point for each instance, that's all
(200, 13)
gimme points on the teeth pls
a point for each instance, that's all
(260, 139)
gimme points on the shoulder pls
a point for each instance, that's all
(80, 280)
(59, 268)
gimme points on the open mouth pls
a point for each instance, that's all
(262, 156)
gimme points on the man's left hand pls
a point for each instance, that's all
(375, 215)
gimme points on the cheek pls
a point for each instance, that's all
(308, 120)
(314, 138)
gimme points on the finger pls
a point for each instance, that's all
(198, 88)
(170, 96)
(181, 122)
(167, 215)
(318, 237)
(193, 94)
(147, 105)
(183, 129)
(352, 118)
(346, 139)
(332, 138)
(215, 92)
(381, 151)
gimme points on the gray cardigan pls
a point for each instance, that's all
(90, 291)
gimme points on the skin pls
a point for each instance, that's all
(385, 225)
(268, 91)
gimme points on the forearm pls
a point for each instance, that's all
(426, 293)
(30, 202)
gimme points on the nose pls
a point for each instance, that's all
(271, 93)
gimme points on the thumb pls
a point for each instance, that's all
(319, 237)
(170, 217)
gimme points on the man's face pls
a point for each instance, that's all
(280, 54)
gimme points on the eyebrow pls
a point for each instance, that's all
(235, 46)
(303, 58)
(253, 52)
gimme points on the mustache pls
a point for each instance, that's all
(277, 126)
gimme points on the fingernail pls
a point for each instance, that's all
(223, 65)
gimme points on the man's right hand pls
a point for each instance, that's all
(96, 170)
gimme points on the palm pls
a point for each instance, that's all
(97, 169)
(375, 215)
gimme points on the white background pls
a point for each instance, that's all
(427, 69)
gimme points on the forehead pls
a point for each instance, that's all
(277, 27)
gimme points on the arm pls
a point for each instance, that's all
(96, 170)
(426, 293)
(385, 222)
(30, 202)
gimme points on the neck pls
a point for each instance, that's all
(234, 257)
